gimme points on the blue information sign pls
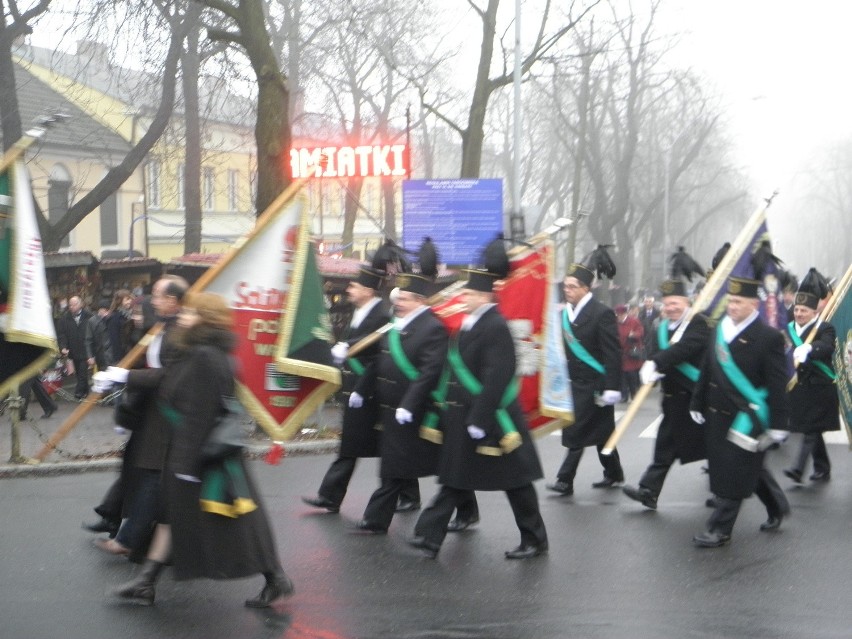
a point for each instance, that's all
(461, 216)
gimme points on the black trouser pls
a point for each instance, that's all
(768, 491)
(34, 384)
(145, 505)
(111, 505)
(432, 524)
(382, 504)
(813, 445)
(655, 474)
(81, 370)
(336, 482)
(611, 465)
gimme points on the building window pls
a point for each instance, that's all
(109, 221)
(207, 184)
(181, 187)
(59, 197)
(233, 190)
(152, 178)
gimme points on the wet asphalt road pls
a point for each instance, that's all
(614, 568)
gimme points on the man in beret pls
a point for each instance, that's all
(740, 395)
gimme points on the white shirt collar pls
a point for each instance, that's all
(401, 322)
(362, 312)
(731, 330)
(574, 311)
(472, 318)
(802, 329)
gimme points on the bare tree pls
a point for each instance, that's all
(246, 27)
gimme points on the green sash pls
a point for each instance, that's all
(797, 341)
(225, 490)
(577, 348)
(688, 370)
(429, 426)
(756, 397)
(355, 366)
(511, 438)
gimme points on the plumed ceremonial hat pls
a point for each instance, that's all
(743, 287)
(813, 288)
(419, 283)
(370, 277)
(673, 287)
(598, 263)
(495, 262)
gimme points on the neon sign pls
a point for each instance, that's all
(349, 161)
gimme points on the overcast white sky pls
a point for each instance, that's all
(784, 70)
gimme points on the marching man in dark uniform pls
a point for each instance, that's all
(360, 434)
(486, 445)
(677, 365)
(741, 395)
(404, 376)
(590, 336)
(814, 404)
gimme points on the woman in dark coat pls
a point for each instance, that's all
(203, 536)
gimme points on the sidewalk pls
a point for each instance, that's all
(93, 444)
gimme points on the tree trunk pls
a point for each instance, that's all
(350, 212)
(190, 61)
(9, 113)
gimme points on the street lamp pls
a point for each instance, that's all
(137, 211)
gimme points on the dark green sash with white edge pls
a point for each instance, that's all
(429, 426)
(797, 341)
(688, 370)
(577, 348)
(754, 412)
(511, 438)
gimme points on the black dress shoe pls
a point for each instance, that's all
(277, 585)
(642, 495)
(709, 539)
(526, 551)
(430, 548)
(407, 505)
(103, 526)
(370, 527)
(820, 476)
(607, 482)
(795, 475)
(773, 523)
(49, 413)
(458, 525)
(561, 487)
(322, 502)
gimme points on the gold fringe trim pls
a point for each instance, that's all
(510, 441)
(241, 506)
(493, 451)
(432, 434)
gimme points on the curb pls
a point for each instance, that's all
(253, 451)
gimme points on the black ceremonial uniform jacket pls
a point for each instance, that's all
(360, 432)
(597, 330)
(758, 351)
(488, 352)
(677, 430)
(406, 455)
(814, 404)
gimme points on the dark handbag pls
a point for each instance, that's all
(227, 436)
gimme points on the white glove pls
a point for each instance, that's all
(648, 373)
(116, 374)
(403, 416)
(101, 383)
(355, 400)
(475, 432)
(610, 397)
(697, 417)
(339, 352)
(191, 478)
(800, 353)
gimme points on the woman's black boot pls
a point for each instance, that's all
(140, 590)
(278, 585)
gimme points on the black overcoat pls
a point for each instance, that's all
(406, 455)
(72, 335)
(814, 403)
(360, 431)
(206, 544)
(597, 330)
(677, 432)
(758, 351)
(489, 353)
